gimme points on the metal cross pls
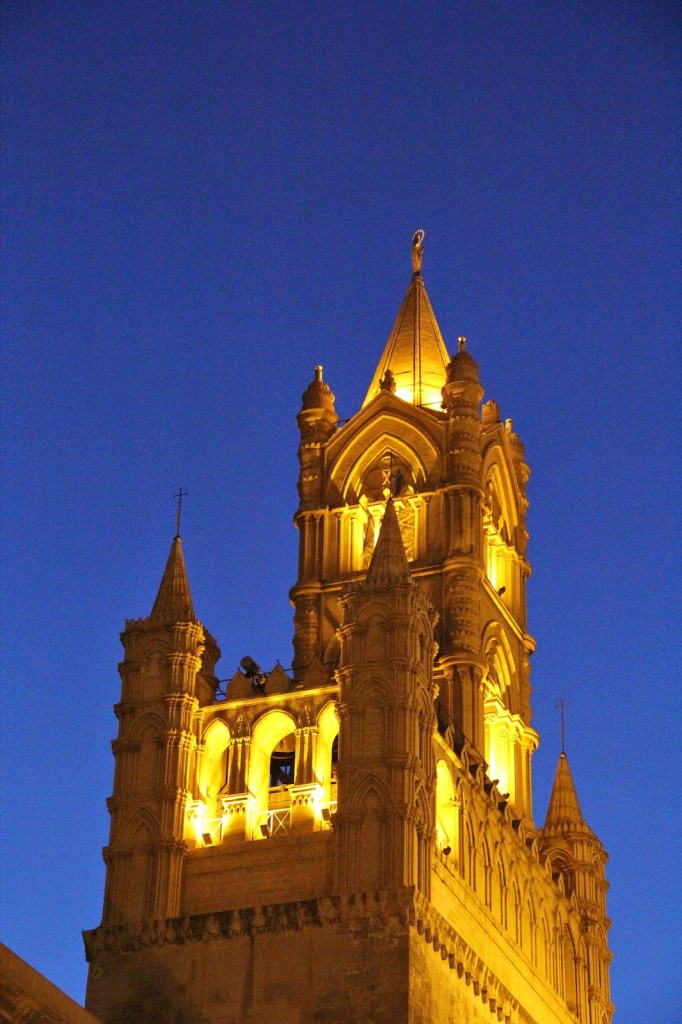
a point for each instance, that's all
(561, 706)
(178, 496)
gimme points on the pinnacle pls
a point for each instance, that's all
(389, 561)
(563, 813)
(174, 601)
(415, 352)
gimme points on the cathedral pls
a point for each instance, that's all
(352, 841)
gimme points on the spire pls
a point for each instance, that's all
(174, 601)
(563, 813)
(389, 561)
(415, 352)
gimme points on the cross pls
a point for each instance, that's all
(178, 496)
(560, 706)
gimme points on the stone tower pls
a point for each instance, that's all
(355, 841)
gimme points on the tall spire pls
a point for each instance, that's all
(563, 813)
(415, 352)
(174, 601)
(389, 561)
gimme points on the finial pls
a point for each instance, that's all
(462, 342)
(178, 496)
(417, 251)
(561, 706)
(318, 374)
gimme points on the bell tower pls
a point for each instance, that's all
(457, 478)
(353, 839)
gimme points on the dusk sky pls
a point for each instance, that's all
(201, 201)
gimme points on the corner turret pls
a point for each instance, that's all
(577, 861)
(167, 673)
(387, 774)
(316, 422)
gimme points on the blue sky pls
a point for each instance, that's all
(202, 201)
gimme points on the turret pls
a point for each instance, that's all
(578, 860)
(461, 660)
(317, 421)
(167, 673)
(386, 763)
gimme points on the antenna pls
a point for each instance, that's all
(561, 706)
(178, 496)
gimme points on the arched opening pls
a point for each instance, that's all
(271, 771)
(499, 524)
(325, 763)
(283, 762)
(501, 722)
(213, 773)
(447, 813)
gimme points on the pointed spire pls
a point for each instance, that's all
(389, 561)
(174, 601)
(563, 813)
(415, 352)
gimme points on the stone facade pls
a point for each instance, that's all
(27, 997)
(354, 841)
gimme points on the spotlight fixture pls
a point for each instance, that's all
(208, 839)
(447, 850)
(265, 829)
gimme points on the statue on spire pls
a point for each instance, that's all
(417, 251)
